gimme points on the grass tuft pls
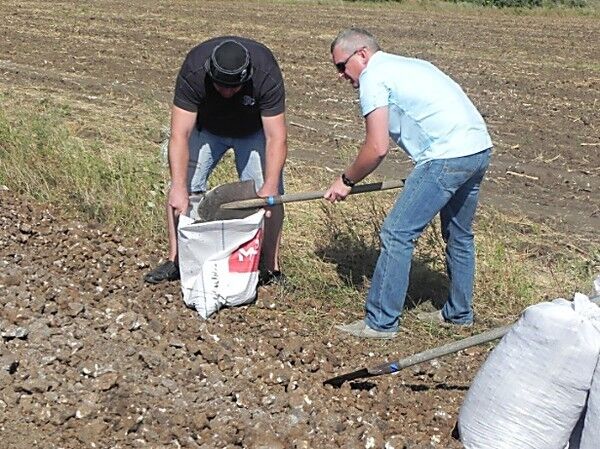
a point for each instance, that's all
(40, 158)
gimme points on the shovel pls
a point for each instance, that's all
(239, 200)
(303, 196)
(430, 354)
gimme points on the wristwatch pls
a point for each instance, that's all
(347, 181)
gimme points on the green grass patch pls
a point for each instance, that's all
(39, 157)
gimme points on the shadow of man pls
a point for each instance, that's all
(355, 260)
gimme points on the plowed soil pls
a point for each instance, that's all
(92, 357)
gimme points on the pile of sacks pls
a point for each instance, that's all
(540, 387)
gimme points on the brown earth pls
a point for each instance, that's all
(91, 357)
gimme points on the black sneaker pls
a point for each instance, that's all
(269, 277)
(167, 271)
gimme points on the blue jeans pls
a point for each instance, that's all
(447, 186)
(207, 149)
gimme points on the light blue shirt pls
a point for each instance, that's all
(430, 117)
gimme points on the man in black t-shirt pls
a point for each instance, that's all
(229, 94)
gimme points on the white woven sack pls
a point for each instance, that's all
(590, 436)
(532, 389)
(575, 439)
(218, 261)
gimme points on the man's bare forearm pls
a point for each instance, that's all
(367, 160)
(276, 154)
(178, 160)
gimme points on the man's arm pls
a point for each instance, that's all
(372, 152)
(182, 125)
(275, 153)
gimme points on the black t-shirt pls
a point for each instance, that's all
(240, 115)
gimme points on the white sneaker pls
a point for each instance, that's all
(361, 329)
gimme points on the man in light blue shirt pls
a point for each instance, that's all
(430, 117)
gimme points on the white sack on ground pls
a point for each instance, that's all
(590, 418)
(575, 439)
(590, 437)
(218, 261)
(532, 389)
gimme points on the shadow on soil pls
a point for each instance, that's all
(355, 261)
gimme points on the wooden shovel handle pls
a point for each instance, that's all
(303, 196)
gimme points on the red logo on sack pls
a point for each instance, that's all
(245, 258)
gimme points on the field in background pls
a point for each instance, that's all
(85, 91)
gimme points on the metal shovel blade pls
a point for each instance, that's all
(338, 381)
(209, 207)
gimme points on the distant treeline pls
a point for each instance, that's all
(509, 3)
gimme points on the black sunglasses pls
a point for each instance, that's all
(341, 66)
